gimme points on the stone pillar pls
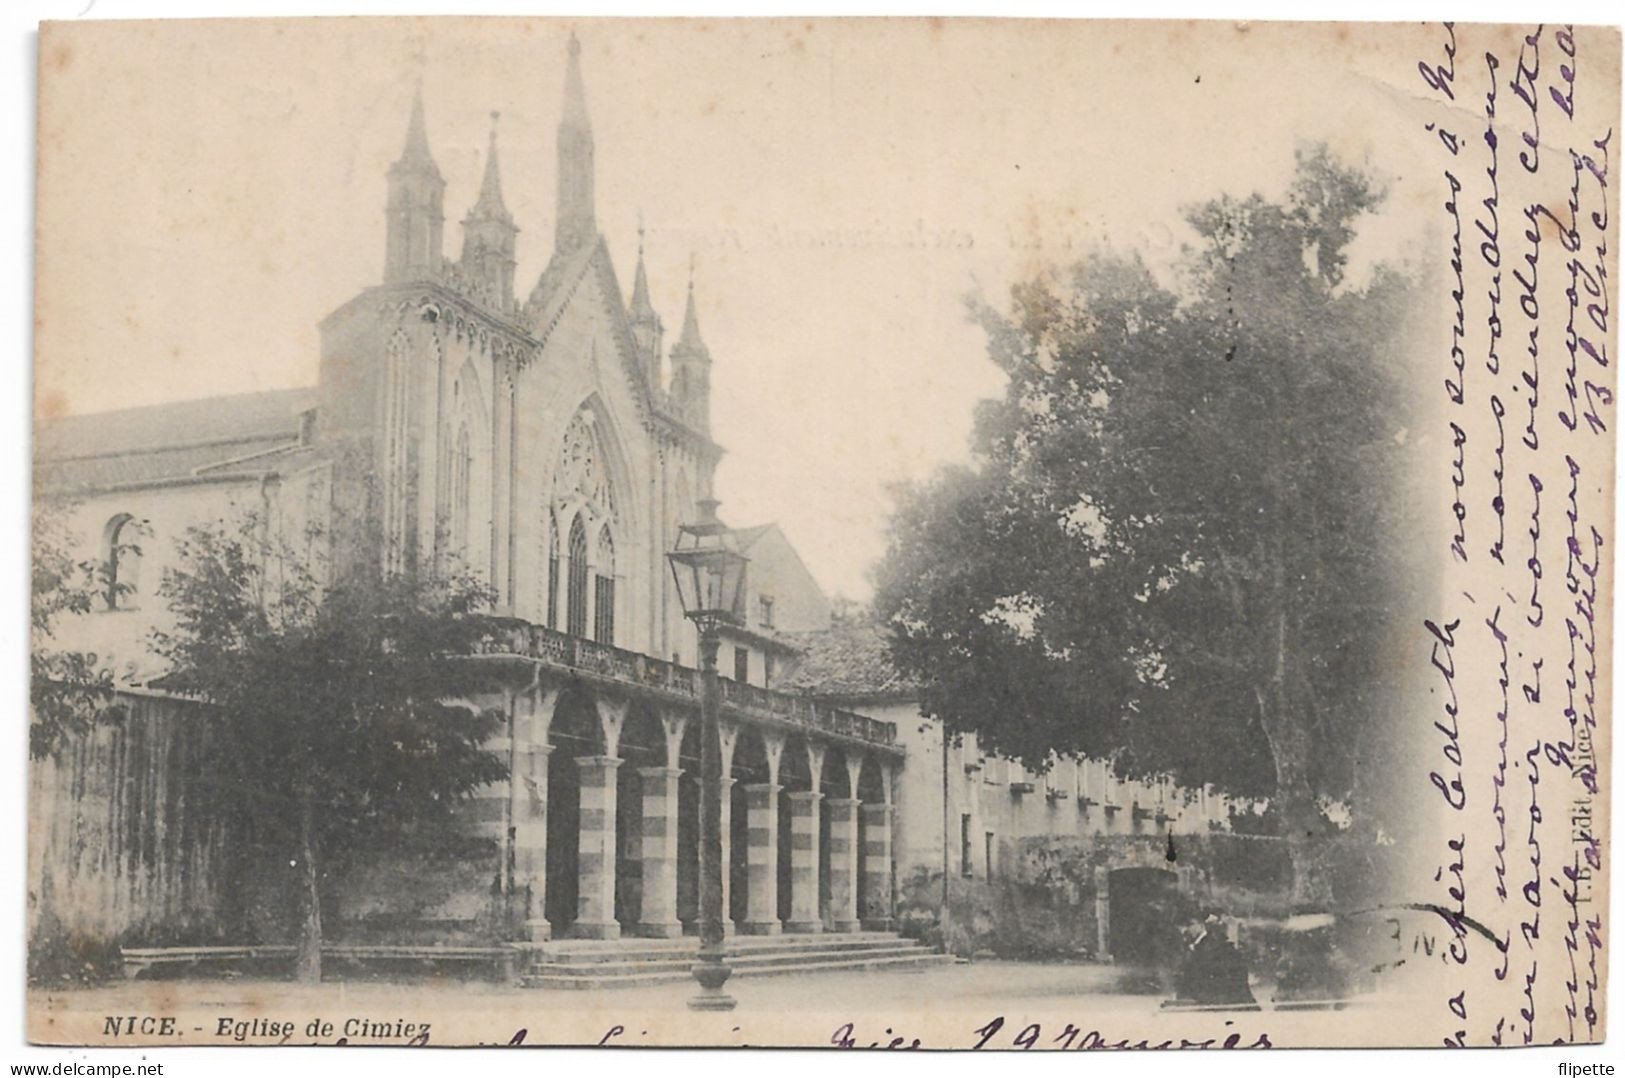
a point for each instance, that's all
(804, 916)
(877, 866)
(529, 784)
(844, 849)
(595, 912)
(530, 839)
(727, 852)
(1103, 915)
(657, 916)
(762, 859)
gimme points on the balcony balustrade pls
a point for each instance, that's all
(681, 684)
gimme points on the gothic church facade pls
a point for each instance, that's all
(549, 441)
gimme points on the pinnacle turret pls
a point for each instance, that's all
(647, 329)
(415, 210)
(691, 367)
(489, 231)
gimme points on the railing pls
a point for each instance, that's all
(807, 712)
(578, 654)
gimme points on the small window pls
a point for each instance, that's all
(967, 867)
(767, 670)
(766, 614)
(992, 861)
(741, 665)
(121, 555)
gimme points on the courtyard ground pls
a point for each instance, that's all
(1003, 1003)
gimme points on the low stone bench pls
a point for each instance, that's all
(138, 960)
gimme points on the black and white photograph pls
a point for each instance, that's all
(874, 533)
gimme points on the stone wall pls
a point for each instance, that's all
(1053, 899)
(126, 850)
(120, 848)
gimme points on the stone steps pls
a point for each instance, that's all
(581, 964)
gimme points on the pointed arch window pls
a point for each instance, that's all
(552, 597)
(604, 591)
(459, 469)
(576, 617)
(121, 556)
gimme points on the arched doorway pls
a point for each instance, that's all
(643, 744)
(831, 783)
(871, 791)
(688, 829)
(575, 731)
(750, 769)
(795, 776)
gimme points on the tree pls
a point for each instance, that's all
(339, 721)
(1171, 551)
(68, 689)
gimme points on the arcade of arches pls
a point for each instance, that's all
(604, 811)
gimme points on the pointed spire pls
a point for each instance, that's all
(490, 203)
(576, 225)
(642, 308)
(689, 340)
(415, 208)
(416, 151)
(575, 95)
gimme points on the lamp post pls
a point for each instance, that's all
(710, 576)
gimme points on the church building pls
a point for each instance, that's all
(551, 441)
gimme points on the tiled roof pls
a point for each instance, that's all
(180, 423)
(849, 660)
(165, 441)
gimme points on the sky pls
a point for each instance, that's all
(209, 192)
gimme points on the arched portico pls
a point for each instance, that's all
(605, 803)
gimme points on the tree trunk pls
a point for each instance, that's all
(1301, 825)
(310, 942)
(1281, 715)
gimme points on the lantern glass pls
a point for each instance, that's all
(709, 570)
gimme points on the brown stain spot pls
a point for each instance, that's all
(53, 404)
(59, 56)
(709, 108)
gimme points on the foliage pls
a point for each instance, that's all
(68, 689)
(1171, 551)
(340, 694)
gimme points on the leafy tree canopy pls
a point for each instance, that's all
(341, 702)
(1171, 550)
(68, 689)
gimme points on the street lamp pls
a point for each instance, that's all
(710, 576)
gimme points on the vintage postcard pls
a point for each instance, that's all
(872, 533)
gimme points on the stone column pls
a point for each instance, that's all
(530, 810)
(843, 862)
(658, 914)
(762, 859)
(727, 852)
(530, 840)
(877, 866)
(804, 916)
(595, 912)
